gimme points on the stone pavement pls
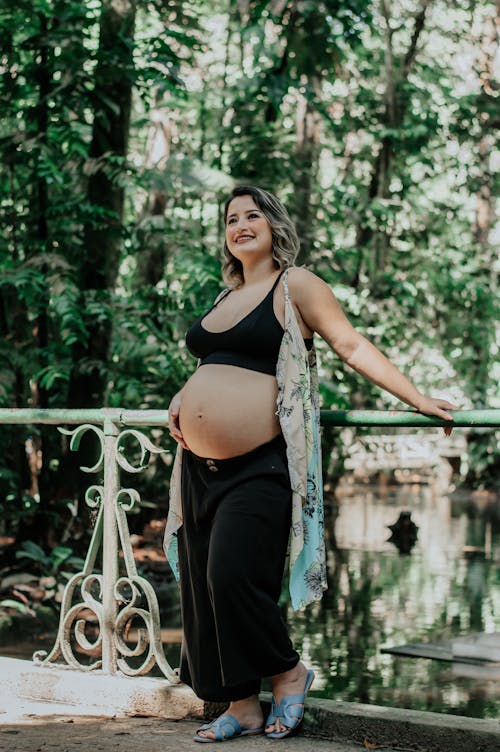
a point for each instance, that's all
(76, 733)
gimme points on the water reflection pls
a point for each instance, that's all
(448, 586)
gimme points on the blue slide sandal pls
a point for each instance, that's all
(290, 711)
(225, 727)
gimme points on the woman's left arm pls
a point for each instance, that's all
(322, 312)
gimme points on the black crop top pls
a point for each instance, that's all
(253, 343)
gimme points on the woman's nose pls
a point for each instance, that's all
(239, 226)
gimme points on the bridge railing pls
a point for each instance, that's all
(116, 599)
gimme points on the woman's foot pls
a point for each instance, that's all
(289, 683)
(247, 712)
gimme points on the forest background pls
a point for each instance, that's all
(124, 126)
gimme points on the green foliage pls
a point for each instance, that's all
(48, 564)
(42, 578)
(484, 460)
(21, 608)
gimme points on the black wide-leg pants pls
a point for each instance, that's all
(232, 550)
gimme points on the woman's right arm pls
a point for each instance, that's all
(322, 313)
(173, 419)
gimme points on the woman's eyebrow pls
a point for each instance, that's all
(247, 211)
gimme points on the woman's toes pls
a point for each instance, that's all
(273, 727)
(206, 734)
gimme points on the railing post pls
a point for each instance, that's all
(109, 549)
(115, 600)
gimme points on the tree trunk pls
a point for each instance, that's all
(151, 232)
(42, 116)
(485, 446)
(102, 239)
(485, 203)
(374, 245)
(305, 174)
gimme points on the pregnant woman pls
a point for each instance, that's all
(246, 482)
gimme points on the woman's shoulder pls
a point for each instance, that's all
(302, 282)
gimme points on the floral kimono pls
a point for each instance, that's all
(298, 413)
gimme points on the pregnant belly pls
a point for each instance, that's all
(226, 411)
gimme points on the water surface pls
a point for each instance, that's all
(449, 585)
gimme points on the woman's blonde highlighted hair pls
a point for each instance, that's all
(285, 241)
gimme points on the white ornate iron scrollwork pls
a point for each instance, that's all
(119, 601)
(148, 637)
(69, 614)
(147, 449)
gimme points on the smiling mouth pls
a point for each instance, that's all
(242, 238)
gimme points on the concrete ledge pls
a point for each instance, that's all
(99, 693)
(398, 727)
(386, 727)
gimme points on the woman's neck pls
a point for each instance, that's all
(258, 272)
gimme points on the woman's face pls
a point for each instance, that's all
(247, 229)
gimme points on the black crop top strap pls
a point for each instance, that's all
(275, 285)
(254, 342)
(218, 299)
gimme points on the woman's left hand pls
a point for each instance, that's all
(437, 406)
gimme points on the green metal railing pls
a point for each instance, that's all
(117, 600)
(486, 418)
(411, 419)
